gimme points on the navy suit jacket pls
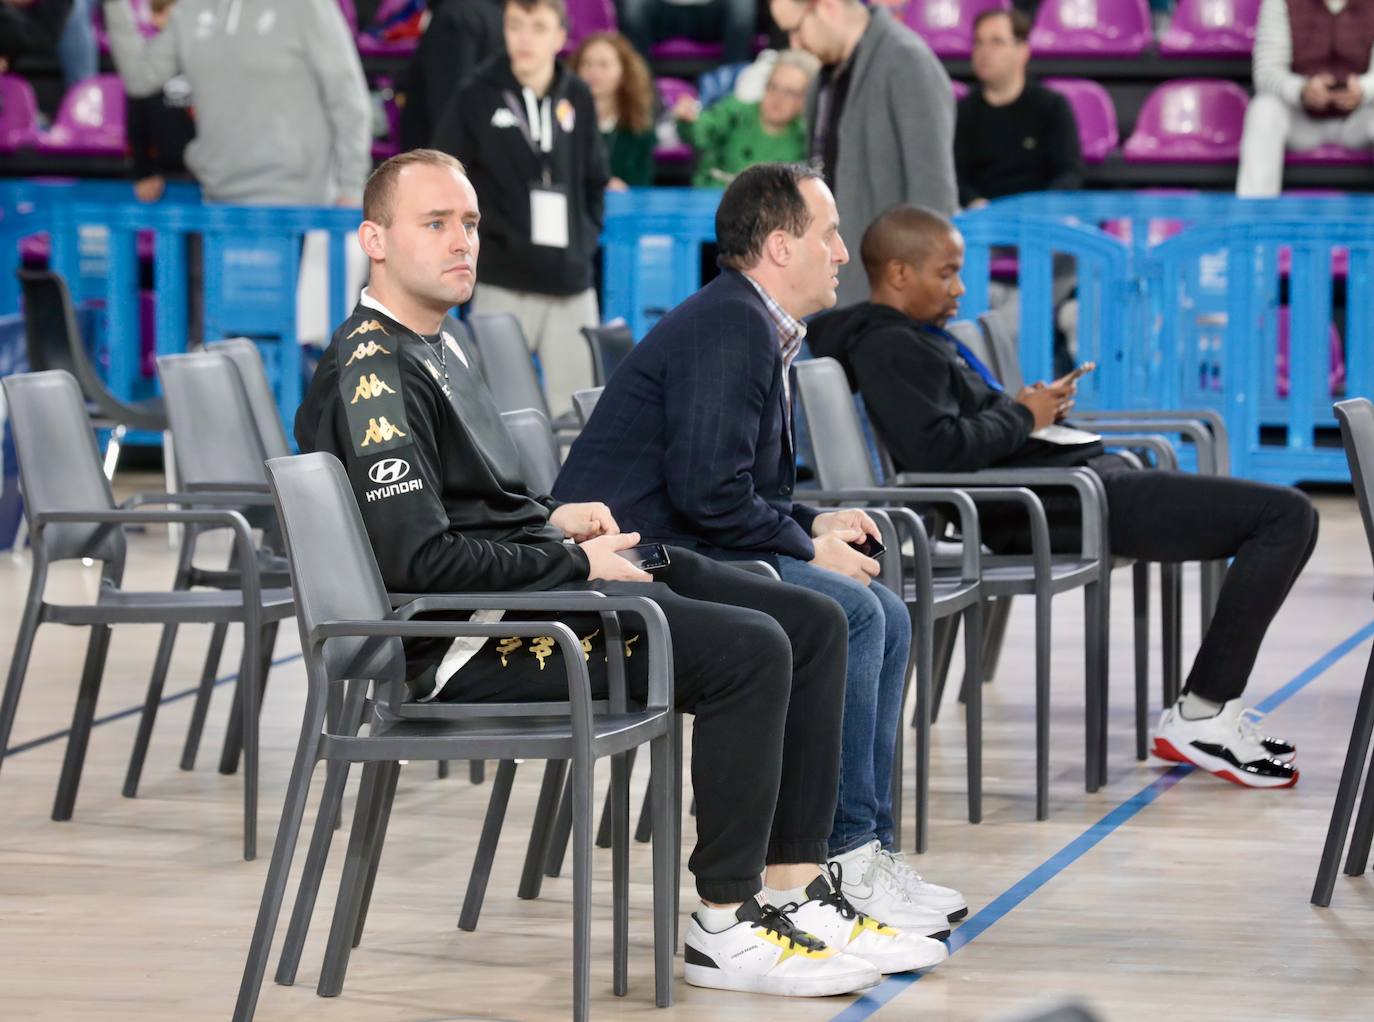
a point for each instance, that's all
(690, 443)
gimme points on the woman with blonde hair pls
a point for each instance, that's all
(624, 96)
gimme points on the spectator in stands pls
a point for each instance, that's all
(526, 128)
(1313, 85)
(760, 664)
(730, 22)
(30, 27)
(692, 444)
(1011, 135)
(461, 34)
(881, 115)
(623, 92)
(939, 409)
(160, 126)
(731, 134)
(282, 111)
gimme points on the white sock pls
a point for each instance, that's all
(714, 920)
(778, 898)
(1193, 707)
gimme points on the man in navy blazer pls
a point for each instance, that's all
(691, 444)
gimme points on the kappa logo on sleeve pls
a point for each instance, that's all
(371, 326)
(380, 431)
(392, 476)
(369, 387)
(365, 351)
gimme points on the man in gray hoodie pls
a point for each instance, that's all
(282, 112)
(881, 115)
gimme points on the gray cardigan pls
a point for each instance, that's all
(896, 137)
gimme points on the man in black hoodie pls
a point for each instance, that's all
(526, 128)
(461, 34)
(939, 409)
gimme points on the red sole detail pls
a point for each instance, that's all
(1165, 750)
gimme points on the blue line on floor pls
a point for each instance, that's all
(1061, 860)
(57, 736)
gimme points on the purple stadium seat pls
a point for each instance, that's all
(1194, 120)
(947, 25)
(1332, 154)
(586, 17)
(670, 90)
(90, 121)
(1091, 28)
(1211, 28)
(960, 89)
(1094, 112)
(18, 114)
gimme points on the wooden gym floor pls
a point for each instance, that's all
(1165, 895)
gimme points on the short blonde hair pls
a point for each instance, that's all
(380, 194)
(800, 59)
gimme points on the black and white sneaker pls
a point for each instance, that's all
(766, 952)
(1226, 745)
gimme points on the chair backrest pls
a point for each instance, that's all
(18, 114)
(253, 374)
(1003, 335)
(960, 89)
(584, 403)
(840, 456)
(1356, 417)
(947, 25)
(1211, 28)
(971, 335)
(54, 341)
(215, 435)
(1190, 119)
(91, 119)
(610, 343)
(1066, 28)
(334, 572)
(59, 466)
(588, 16)
(538, 447)
(1094, 112)
(506, 362)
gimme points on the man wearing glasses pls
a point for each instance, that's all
(881, 115)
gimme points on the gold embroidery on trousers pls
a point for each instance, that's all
(379, 431)
(587, 645)
(542, 649)
(365, 351)
(507, 646)
(368, 388)
(628, 643)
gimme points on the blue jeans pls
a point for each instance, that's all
(77, 50)
(875, 676)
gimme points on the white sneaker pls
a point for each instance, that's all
(921, 891)
(827, 914)
(1226, 745)
(875, 892)
(766, 953)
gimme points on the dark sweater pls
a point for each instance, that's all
(159, 128)
(461, 34)
(503, 165)
(440, 493)
(1029, 145)
(630, 155)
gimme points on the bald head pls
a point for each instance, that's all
(906, 234)
(913, 257)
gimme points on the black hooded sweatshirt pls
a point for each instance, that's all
(486, 127)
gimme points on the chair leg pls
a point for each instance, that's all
(84, 714)
(620, 873)
(233, 735)
(532, 876)
(1140, 583)
(150, 706)
(486, 845)
(675, 821)
(477, 771)
(942, 645)
(19, 663)
(251, 679)
(203, 693)
(441, 770)
(346, 904)
(666, 883)
(317, 856)
(1363, 837)
(1171, 609)
(995, 630)
(973, 709)
(278, 872)
(923, 637)
(582, 886)
(1092, 689)
(603, 832)
(645, 829)
(1347, 790)
(1104, 651)
(561, 833)
(1042, 705)
(388, 799)
(1209, 590)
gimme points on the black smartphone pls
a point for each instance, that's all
(870, 547)
(647, 556)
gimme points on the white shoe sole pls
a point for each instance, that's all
(781, 986)
(929, 955)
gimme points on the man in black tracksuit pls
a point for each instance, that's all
(525, 126)
(759, 663)
(461, 34)
(939, 409)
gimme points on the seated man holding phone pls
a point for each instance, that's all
(939, 409)
(692, 444)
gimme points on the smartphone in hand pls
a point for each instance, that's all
(870, 547)
(647, 556)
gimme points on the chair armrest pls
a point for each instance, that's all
(1203, 427)
(217, 497)
(253, 486)
(761, 568)
(1166, 455)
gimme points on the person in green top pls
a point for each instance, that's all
(624, 95)
(731, 134)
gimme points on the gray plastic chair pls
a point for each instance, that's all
(217, 446)
(247, 359)
(72, 514)
(506, 362)
(538, 447)
(610, 343)
(1356, 417)
(349, 633)
(823, 390)
(584, 403)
